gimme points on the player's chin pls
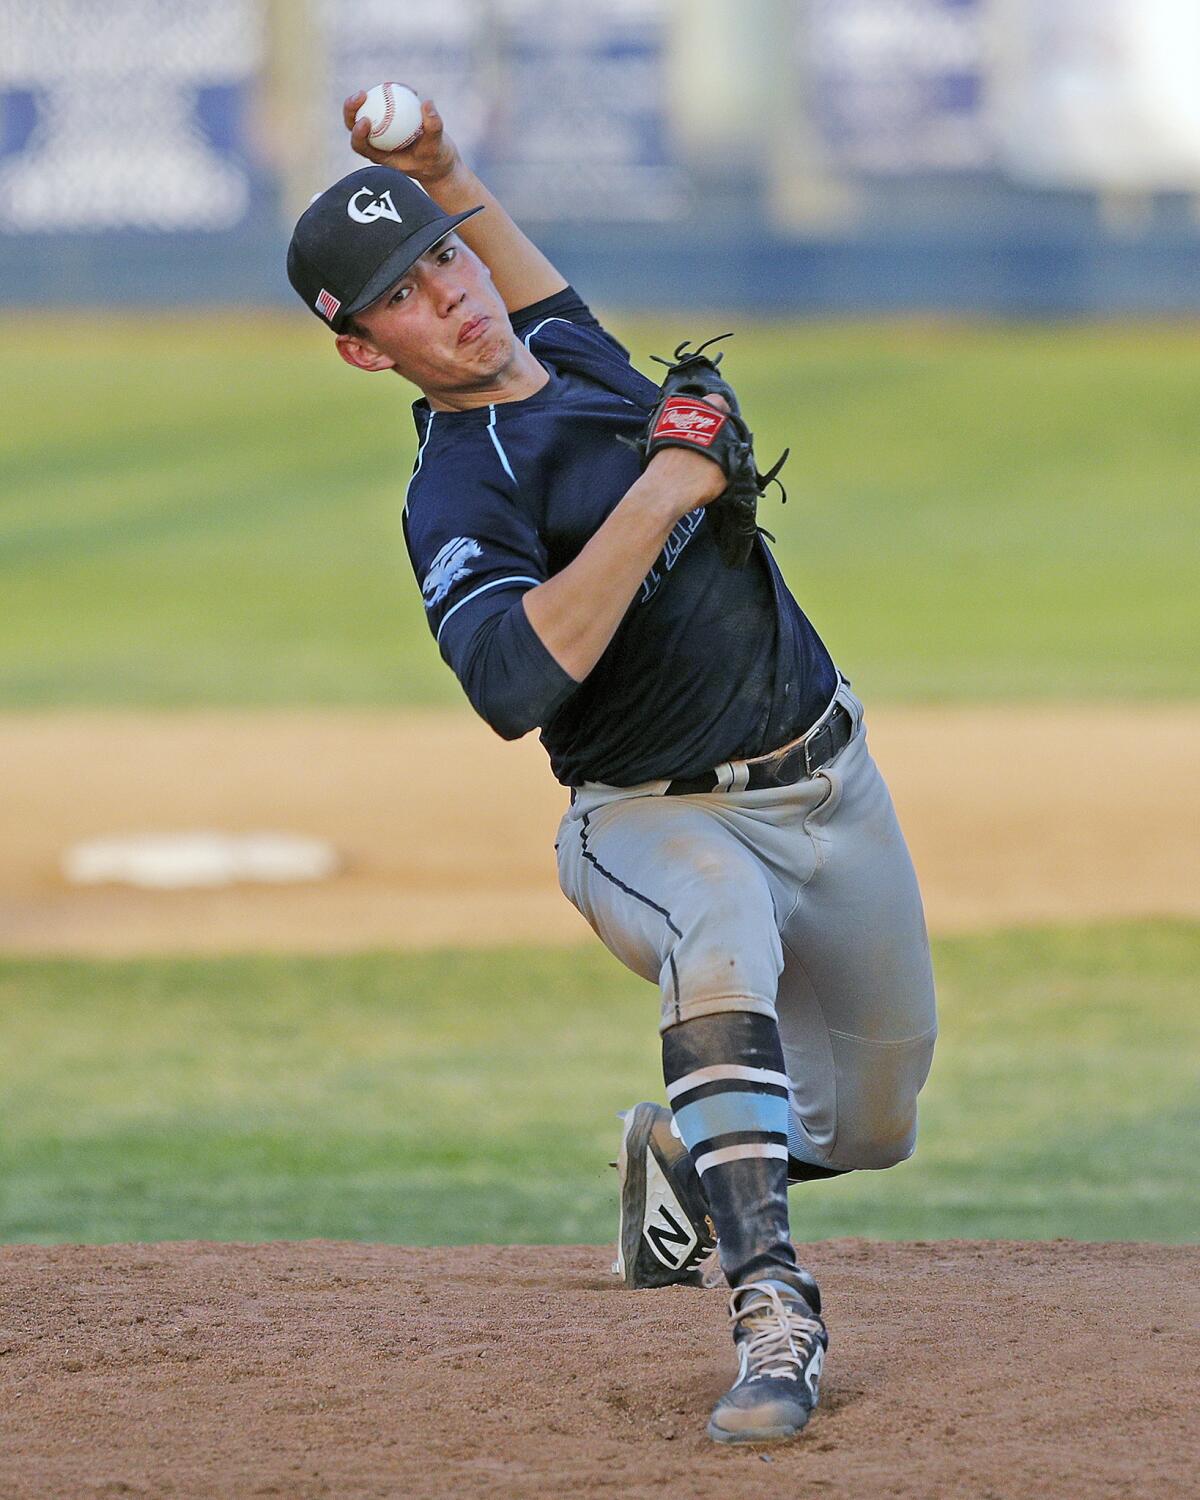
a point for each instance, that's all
(488, 354)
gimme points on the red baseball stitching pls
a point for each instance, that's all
(389, 114)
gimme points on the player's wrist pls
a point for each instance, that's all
(448, 180)
(659, 495)
(691, 475)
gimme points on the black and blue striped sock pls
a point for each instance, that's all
(729, 1093)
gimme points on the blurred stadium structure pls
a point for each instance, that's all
(1025, 156)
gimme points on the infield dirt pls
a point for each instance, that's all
(1015, 814)
(988, 1370)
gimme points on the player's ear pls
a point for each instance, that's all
(362, 355)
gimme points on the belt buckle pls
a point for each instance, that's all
(804, 751)
(824, 732)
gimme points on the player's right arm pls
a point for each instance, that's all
(576, 613)
(521, 273)
(519, 640)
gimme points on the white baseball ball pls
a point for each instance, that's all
(395, 115)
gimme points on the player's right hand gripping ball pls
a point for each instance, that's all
(684, 419)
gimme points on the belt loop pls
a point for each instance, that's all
(854, 707)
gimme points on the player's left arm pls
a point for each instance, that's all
(520, 271)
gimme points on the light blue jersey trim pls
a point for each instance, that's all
(482, 589)
(420, 456)
(495, 437)
(723, 1113)
(542, 325)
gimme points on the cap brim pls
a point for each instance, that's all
(404, 258)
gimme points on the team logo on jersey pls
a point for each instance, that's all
(681, 534)
(378, 208)
(452, 562)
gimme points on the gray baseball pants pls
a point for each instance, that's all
(799, 902)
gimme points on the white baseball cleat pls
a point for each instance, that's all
(665, 1231)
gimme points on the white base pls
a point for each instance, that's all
(190, 860)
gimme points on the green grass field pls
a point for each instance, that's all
(207, 510)
(465, 1097)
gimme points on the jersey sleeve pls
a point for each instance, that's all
(566, 306)
(475, 556)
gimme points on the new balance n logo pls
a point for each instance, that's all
(671, 1241)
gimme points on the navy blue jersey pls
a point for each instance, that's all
(710, 663)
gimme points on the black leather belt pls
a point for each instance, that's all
(791, 763)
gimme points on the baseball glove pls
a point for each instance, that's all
(683, 419)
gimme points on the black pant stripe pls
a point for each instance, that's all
(638, 896)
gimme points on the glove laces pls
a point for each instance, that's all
(781, 1337)
(683, 355)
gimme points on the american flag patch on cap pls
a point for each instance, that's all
(327, 305)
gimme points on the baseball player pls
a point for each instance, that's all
(586, 547)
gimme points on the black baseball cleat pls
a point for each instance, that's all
(781, 1344)
(665, 1230)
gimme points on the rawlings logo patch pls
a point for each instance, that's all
(693, 422)
(452, 562)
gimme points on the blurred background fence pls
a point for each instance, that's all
(1014, 156)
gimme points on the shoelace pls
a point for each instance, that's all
(781, 1337)
(705, 1247)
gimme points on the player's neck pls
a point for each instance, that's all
(522, 377)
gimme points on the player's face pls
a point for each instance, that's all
(442, 325)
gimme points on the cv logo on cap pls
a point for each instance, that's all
(378, 208)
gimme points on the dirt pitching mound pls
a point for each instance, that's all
(1046, 813)
(318, 1369)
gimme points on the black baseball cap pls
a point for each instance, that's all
(359, 236)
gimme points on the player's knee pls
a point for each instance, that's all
(873, 1146)
(881, 1133)
(726, 954)
(719, 967)
(730, 960)
(877, 1115)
